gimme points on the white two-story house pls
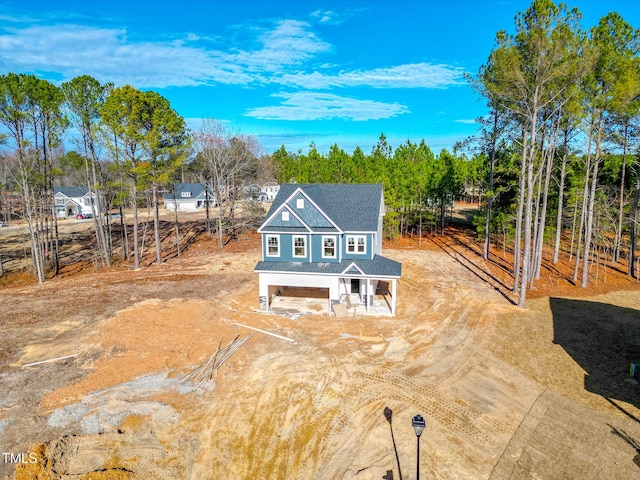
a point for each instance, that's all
(73, 201)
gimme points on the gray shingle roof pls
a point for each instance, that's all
(71, 192)
(378, 267)
(196, 189)
(352, 207)
(288, 229)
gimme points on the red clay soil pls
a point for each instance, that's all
(459, 241)
(555, 280)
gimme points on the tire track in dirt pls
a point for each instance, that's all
(309, 410)
(315, 409)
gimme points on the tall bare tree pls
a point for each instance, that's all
(531, 73)
(615, 43)
(226, 161)
(84, 97)
(30, 110)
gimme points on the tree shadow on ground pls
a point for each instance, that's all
(604, 340)
(480, 273)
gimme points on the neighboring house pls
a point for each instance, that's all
(253, 192)
(270, 190)
(189, 197)
(72, 201)
(327, 236)
(264, 193)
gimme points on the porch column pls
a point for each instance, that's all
(368, 294)
(263, 291)
(393, 296)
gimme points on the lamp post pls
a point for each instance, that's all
(418, 424)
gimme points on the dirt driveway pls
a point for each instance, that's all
(500, 398)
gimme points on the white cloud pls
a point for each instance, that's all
(322, 106)
(467, 121)
(290, 43)
(72, 50)
(414, 75)
(107, 54)
(281, 55)
(326, 16)
(333, 17)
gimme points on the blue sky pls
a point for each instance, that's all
(288, 72)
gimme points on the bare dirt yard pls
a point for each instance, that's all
(507, 393)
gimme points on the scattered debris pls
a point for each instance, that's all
(266, 333)
(206, 371)
(57, 359)
(341, 311)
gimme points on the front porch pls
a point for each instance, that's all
(344, 296)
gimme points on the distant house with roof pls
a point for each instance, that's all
(263, 193)
(73, 201)
(270, 190)
(327, 239)
(253, 192)
(189, 197)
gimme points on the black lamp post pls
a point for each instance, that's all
(418, 424)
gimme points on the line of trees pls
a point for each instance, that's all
(562, 101)
(419, 186)
(130, 146)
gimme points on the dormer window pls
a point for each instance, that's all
(300, 203)
(285, 216)
(186, 194)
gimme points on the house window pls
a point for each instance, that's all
(186, 194)
(87, 201)
(356, 244)
(300, 203)
(59, 201)
(285, 216)
(299, 246)
(273, 246)
(328, 247)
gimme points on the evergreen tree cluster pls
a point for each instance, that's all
(419, 186)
